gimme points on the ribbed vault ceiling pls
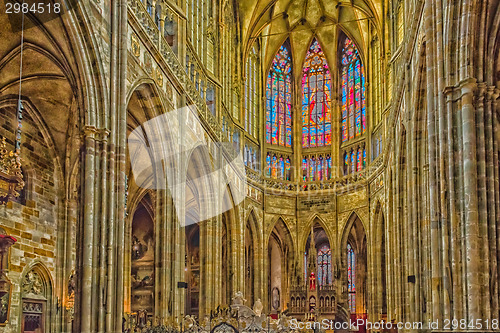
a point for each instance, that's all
(301, 20)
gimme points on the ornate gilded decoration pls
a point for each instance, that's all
(70, 297)
(11, 177)
(134, 44)
(33, 284)
(6, 242)
(148, 63)
(159, 77)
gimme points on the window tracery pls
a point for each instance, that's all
(324, 266)
(351, 278)
(352, 92)
(251, 93)
(316, 99)
(316, 167)
(354, 159)
(279, 99)
(278, 166)
(251, 156)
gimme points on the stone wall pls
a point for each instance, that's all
(34, 220)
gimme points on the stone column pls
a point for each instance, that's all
(472, 237)
(87, 236)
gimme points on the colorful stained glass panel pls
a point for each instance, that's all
(351, 278)
(278, 100)
(316, 99)
(353, 111)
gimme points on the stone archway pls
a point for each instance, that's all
(280, 252)
(354, 259)
(36, 300)
(143, 258)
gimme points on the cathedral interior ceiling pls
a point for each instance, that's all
(48, 79)
(300, 20)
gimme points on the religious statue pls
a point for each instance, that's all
(138, 249)
(189, 321)
(276, 298)
(312, 281)
(257, 307)
(238, 298)
(142, 318)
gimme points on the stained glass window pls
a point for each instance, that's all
(305, 266)
(278, 167)
(359, 165)
(228, 65)
(312, 169)
(288, 172)
(268, 165)
(274, 167)
(351, 278)
(316, 168)
(319, 168)
(353, 161)
(324, 266)
(281, 168)
(251, 157)
(352, 92)
(304, 169)
(157, 18)
(346, 163)
(328, 171)
(251, 93)
(316, 99)
(149, 7)
(279, 99)
(236, 140)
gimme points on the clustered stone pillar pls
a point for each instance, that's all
(100, 257)
(443, 205)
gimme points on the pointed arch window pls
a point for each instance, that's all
(324, 266)
(157, 18)
(352, 92)
(279, 100)
(316, 99)
(354, 159)
(351, 278)
(316, 167)
(149, 7)
(251, 93)
(278, 167)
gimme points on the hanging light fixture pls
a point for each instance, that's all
(11, 176)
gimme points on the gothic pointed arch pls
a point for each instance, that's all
(279, 99)
(316, 99)
(352, 107)
(192, 273)
(200, 187)
(37, 303)
(380, 243)
(280, 261)
(320, 263)
(315, 221)
(352, 83)
(316, 114)
(149, 135)
(198, 195)
(354, 263)
(230, 225)
(251, 262)
(142, 257)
